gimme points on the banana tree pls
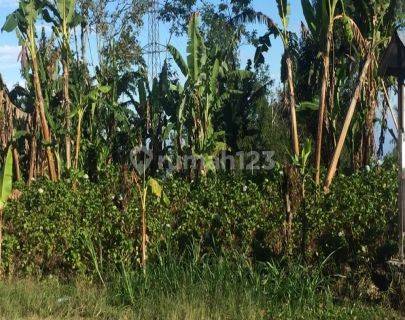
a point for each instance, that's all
(376, 19)
(199, 96)
(6, 181)
(320, 18)
(287, 38)
(284, 10)
(144, 187)
(61, 14)
(23, 22)
(153, 103)
(89, 100)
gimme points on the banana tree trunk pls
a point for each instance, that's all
(78, 139)
(369, 143)
(33, 148)
(349, 116)
(293, 115)
(41, 108)
(144, 228)
(67, 112)
(322, 107)
(84, 39)
(16, 164)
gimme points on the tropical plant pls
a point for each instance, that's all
(90, 100)
(199, 97)
(6, 184)
(320, 18)
(62, 15)
(23, 21)
(152, 185)
(288, 40)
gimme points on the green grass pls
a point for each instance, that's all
(179, 290)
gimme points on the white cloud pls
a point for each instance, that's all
(9, 65)
(9, 54)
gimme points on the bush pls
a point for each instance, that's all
(61, 228)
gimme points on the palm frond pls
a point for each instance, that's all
(252, 16)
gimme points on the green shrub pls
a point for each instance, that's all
(45, 230)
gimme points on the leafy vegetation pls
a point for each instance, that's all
(93, 149)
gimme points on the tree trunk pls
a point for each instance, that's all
(33, 148)
(84, 40)
(16, 164)
(41, 108)
(322, 107)
(66, 102)
(143, 226)
(294, 128)
(349, 115)
(78, 138)
(369, 129)
(33, 157)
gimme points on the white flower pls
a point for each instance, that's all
(244, 188)
(167, 225)
(368, 168)
(40, 191)
(380, 162)
(120, 198)
(86, 177)
(341, 234)
(112, 197)
(63, 299)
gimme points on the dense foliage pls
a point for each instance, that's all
(54, 228)
(75, 136)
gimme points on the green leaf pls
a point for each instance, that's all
(6, 179)
(309, 14)
(142, 92)
(71, 10)
(155, 187)
(214, 77)
(284, 11)
(196, 49)
(178, 59)
(104, 89)
(308, 105)
(11, 23)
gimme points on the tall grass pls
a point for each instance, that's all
(193, 287)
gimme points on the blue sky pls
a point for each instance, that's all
(9, 49)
